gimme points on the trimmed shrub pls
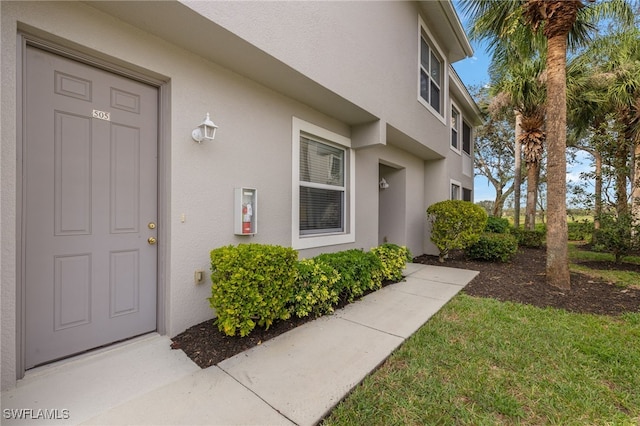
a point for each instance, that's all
(251, 284)
(617, 235)
(316, 288)
(493, 247)
(528, 238)
(455, 224)
(359, 271)
(394, 259)
(497, 225)
(580, 231)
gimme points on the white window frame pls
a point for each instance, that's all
(458, 128)
(453, 183)
(304, 241)
(423, 32)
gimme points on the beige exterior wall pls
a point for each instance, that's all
(366, 52)
(253, 146)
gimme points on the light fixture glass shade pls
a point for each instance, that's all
(205, 131)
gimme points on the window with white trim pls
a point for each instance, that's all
(323, 209)
(431, 73)
(455, 125)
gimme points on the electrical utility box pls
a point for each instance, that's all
(246, 211)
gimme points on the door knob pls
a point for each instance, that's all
(151, 240)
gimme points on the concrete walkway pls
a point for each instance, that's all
(293, 379)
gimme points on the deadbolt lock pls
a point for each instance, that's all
(152, 225)
(151, 240)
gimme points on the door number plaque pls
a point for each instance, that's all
(102, 115)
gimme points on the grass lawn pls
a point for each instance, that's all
(620, 277)
(483, 362)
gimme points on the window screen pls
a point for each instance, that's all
(322, 187)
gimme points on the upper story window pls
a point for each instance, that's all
(323, 210)
(466, 138)
(455, 125)
(466, 194)
(455, 190)
(431, 74)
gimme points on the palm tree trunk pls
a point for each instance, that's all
(517, 176)
(635, 192)
(557, 235)
(533, 173)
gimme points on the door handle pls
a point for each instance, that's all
(152, 240)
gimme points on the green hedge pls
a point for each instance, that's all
(497, 225)
(581, 230)
(316, 288)
(528, 238)
(493, 247)
(359, 271)
(251, 284)
(394, 258)
(256, 284)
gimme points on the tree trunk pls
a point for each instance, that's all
(557, 235)
(501, 198)
(635, 191)
(622, 172)
(598, 194)
(497, 204)
(517, 176)
(533, 173)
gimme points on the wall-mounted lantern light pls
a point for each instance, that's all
(205, 131)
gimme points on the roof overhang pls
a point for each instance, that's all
(459, 90)
(450, 28)
(180, 25)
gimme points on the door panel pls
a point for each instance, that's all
(90, 189)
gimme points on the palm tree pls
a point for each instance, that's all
(521, 81)
(563, 23)
(617, 63)
(609, 73)
(494, 155)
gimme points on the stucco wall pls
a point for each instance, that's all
(365, 51)
(252, 148)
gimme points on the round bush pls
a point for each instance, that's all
(455, 224)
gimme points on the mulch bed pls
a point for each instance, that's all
(522, 280)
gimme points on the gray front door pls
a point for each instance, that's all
(89, 207)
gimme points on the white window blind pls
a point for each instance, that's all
(322, 187)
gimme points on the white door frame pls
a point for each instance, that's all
(163, 171)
